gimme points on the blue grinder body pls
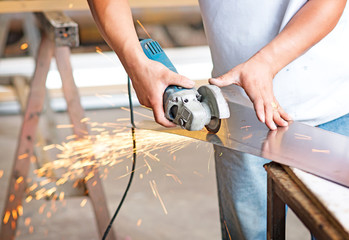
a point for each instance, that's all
(153, 51)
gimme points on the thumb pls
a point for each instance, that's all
(224, 80)
(182, 81)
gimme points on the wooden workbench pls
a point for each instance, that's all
(320, 204)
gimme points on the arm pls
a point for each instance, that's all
(311, 23)
(149, 78)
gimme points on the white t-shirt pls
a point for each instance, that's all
(314, 88)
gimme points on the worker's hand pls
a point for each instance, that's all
(150, 79)
(255, 76)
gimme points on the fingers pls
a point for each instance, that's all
(225, 79)
(269, 117)
(259, 108)
(179, 80)
(159, 115)
(275, 115)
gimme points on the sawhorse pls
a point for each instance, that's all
(59, 34)
(284, 188)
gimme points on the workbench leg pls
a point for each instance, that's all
(4, 28)
(21, 87)
(276, 214)
(16, 190)
(32, 33)
(76, 113)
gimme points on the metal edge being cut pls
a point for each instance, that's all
(311, 149)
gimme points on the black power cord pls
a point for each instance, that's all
(133, 163)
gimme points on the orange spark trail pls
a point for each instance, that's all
(320, 151)
(225, 224)
(140, 24)
(99, 51)
(158, 196)
(83, 203)
(140, 114)
(104, 99)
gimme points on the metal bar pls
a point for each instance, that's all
(26, 142)
(76, 113)
(313, 150)
(60, 28)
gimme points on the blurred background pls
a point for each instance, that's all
(181, 170)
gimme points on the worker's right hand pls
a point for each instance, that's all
(150, 79)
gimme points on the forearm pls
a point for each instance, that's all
(114, 20)
(311, 23)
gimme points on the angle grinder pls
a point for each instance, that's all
(189, 108)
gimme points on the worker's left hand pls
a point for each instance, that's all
(255, 76)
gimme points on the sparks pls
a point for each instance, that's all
(140, 24)
(27, 221)
(174, 177)
(105, 99)
(7, 217)
(65, 126)
(302, 137)
(157, 195)
(320, 151)
(24, 46)
(99, 51)
(198, 174)
(20, 210)
(225, 224)
(14, 214)
(245, 127)
(23, 156)
(107, 146)
(247, 137)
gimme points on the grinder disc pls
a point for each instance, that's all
(214, 125)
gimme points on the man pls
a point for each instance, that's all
(272, 55)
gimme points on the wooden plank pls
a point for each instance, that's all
(76, 113)
(276, 217)
(313, 218)
(18, 178)
(11, 6)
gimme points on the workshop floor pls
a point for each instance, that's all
(192, 211)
